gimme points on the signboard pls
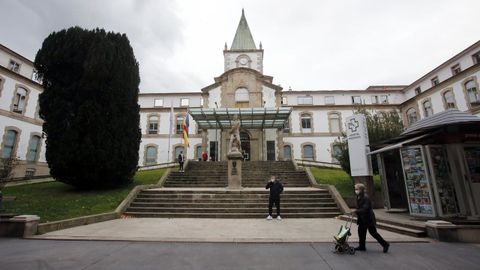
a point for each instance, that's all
(416, 181)
(357, 135)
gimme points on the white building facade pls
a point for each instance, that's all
(316, 120)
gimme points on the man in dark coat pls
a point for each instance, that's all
(181, 160)
(275, 189)
(366, 220)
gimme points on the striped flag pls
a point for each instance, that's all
(185, 125)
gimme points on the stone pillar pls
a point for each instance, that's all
(280, 144)
(235, 160)
(204, 140)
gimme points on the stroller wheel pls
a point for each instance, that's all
(351, 250)
(339, 249)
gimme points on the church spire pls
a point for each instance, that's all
(243, 37)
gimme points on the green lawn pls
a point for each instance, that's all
(340, 179)
(56, 201)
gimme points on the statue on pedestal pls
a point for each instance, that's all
(235, 145)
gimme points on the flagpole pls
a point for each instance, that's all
(170, 129)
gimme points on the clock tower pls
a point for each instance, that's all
(243, 52)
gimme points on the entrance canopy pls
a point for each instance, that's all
(250, 118)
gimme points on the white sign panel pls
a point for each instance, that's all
(357, 135)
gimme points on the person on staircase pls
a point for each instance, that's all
(181, 160)
(366, 220)
(276, 188)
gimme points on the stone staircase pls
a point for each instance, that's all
(200, 192)
(252, 203)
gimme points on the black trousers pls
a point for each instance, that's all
(271, 202)
(181, 166)
(362, 235)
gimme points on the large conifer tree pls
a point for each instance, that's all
(90, 107)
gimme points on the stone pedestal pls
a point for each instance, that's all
(442, 230)
(19, 226)
(235, 160)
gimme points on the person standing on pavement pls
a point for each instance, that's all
(205, 156)
(276, 188)
(181, 160)
(366, 220)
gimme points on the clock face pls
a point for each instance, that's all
(243, 61)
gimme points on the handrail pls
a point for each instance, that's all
(313, 163)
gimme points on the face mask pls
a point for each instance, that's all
(357, 192)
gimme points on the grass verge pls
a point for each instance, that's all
(54, 201)
(340, 179)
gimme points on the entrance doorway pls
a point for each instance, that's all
(395, 181)
(245, 144)
(270, 150)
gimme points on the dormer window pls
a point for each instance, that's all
(14, 66)
(418, 90)
(435, 81)
(456, 69)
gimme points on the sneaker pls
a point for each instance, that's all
(279, 218)
(385, 248)
(269, 217)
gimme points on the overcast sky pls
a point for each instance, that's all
(309, 45)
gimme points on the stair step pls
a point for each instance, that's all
(229, 215)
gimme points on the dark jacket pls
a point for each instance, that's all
(275, 188)
(365, 215)
(181, 158)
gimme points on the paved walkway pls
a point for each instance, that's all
(118, 255)
(216, 230)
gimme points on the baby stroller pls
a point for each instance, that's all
(341, 239)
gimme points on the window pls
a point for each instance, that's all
(383, 99)
(34, 148)
(36, 77)
(336, 152)
(427, 108)
(14, 66)
(374, 99)
(30, 172)
(308, 152)
(151, 155)
(287, 152)
(334, 122)
(356, 100)
(411, 116)
(418, 90)
(199, 152)
(158, 103)
(184, 102)
(456, 69)
(9, 144)
(179, 124)
(19, 100)
(307, 100)
(472, 92)
(201, 102)
(284, 100)
(435, 81)
(153, 124)
(329, 100)
(449, 99)
(476, 58)
(242, 95)
(286, 126)
(306, 120)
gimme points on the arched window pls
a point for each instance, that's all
(153, 124)
(151, 155)
(306, 122)
(449, 99)
(241, 95)
(308, 152)
(179, 149)
(19, 100)
(33, 149)
(427, 108)
(334, 122)
(411, 116)
(472, 92)
(199, 152)
(9, 144)
(287, 152)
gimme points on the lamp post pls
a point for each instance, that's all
(216, 137)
